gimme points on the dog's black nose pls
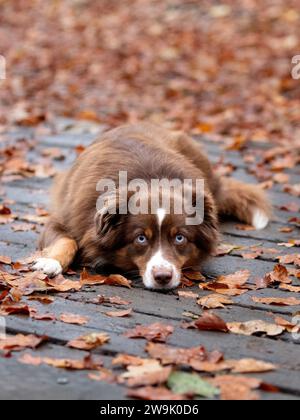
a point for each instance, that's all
(162, 276)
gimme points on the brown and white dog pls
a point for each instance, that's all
(157, 246)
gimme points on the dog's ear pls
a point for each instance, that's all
(208, 235)
(110, 214)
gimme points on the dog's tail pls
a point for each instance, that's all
(247, 203)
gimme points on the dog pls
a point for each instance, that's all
(156, 246)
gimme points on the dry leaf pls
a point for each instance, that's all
(19, 342)
(89, 341)
(188, 295)
(236, 387)
(209, 322)
(277, 301)
(5, 260)
(61, 284)
(154, 332)
(255, 327)
(74, 319)
(214, 301)
(119, 314)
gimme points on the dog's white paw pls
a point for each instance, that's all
(260, 220)
(49, 266)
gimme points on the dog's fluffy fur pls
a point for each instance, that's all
(145, 151)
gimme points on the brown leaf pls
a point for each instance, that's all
(87, 279)
(225, 249)
(255, 327)
(127, 359)
(10, 308)
(119, 314)
(236, 387)
(150, 372)
(5, 260)
(210, 322)
(114, 300)
(105, 375)
(154, 332)
(29, 359)
(277, 301)
(118, 280)
(89, 341)
(182, 356)
(74, 319)
(19, 342)
(188, 295)
(214, 301)
(46, 300)
(194, 275)
(235, 280)
(289, 287)
(61, 284)
(88, 363)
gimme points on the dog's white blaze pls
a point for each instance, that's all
(49, 266)
(161, 214)
(260, 220)
(158, 261)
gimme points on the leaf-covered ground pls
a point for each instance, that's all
(221, 70)
(219, 67)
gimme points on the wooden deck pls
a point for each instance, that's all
(19, 381)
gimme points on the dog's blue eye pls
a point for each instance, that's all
(180, 239)
(141, 239)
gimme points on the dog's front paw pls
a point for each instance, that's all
(49, 266)
(260, 219)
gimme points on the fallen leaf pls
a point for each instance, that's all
(87, 279)
(255, 327)
(149, 373)
(277, 301)
(214, 301)
(235, 280)
(74, 319)
(89, 341)
(182, 356)
(127, 359)
(114, 300)
(46, 300)
(289, 287)
(105, 375)
(9, 308)
(119, 314)
(289, 259)
(194, 275)
(29, 359)
(210, 322)
(188, 295)
(154, 332)
(225, 249)
(191, 384)
(118, 280)
(87, 363)
(5, 260)
(19, 342)
(61, 284)
(237, 387)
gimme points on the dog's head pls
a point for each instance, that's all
(157, 246)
